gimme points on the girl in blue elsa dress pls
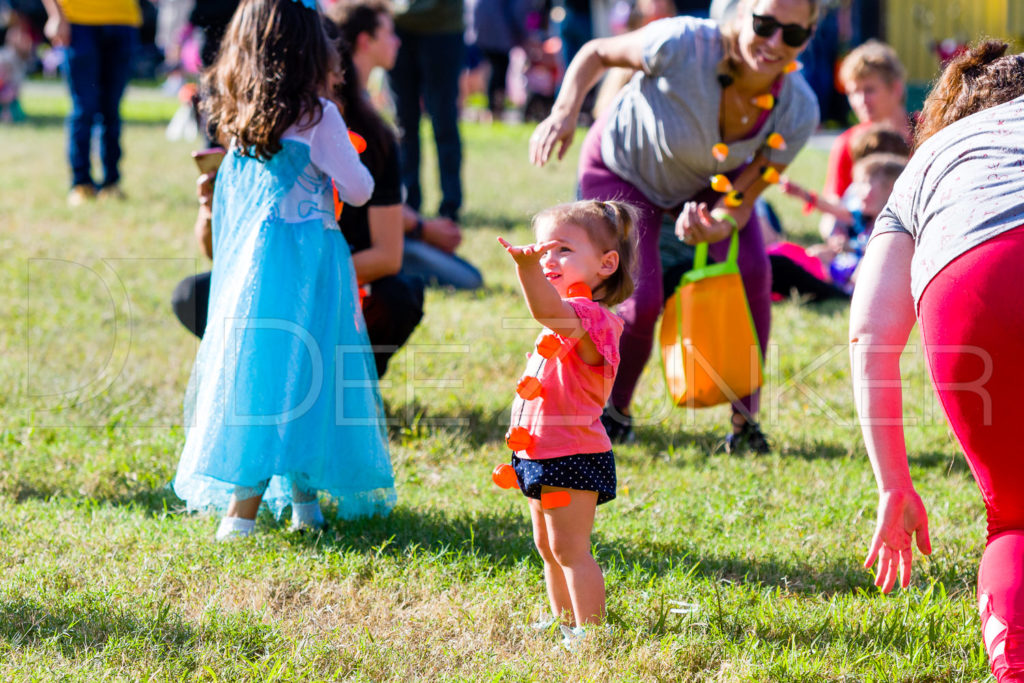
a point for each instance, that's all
(283, 400)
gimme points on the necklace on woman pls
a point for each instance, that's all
(764, 101)
(737, 103)
(720, 151)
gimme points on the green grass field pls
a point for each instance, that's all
(104, 577)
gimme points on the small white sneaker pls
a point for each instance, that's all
(571, 637)
(544, 623)
(232, 528)
(307, 516)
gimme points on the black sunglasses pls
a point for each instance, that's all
(793, 35)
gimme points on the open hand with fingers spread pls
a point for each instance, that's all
(697, 224)
(901, 516)
(555, 131)
(529, 254)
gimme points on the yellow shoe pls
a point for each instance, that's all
(80, 194)
(111, 192)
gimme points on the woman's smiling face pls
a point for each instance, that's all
(770, 55)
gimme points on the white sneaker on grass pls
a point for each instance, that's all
(232, 528)
(572, 637)
(544, 623)
(307, 516)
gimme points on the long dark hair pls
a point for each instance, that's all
(360, 115)
(272, 65)
(980, 78)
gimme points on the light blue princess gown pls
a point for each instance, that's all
(284, 389)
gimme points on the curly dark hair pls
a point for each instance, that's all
(271, 70)
(980, 78)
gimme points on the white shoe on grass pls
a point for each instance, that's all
(307, 516)
(572, 637)
(232, 528)
(544, 623)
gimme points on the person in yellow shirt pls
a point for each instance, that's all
(99, 37)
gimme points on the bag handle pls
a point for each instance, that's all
(700, 258)
(701, 269)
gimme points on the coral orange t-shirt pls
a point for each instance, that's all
(565, 417)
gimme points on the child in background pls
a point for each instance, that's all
(826, 271)
(873, 179)
(874, 80)
(283, 398)
(579, 266)
(873, 138)
(878, 138)
(16, 48)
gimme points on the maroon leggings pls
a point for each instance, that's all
(972, 327)
(641, 311)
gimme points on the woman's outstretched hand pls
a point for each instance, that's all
(529, 254)
(556, 130)
(695, 224)
(901, 515)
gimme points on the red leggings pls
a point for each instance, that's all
(972, 325)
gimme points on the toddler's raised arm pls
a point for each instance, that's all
(546, 306)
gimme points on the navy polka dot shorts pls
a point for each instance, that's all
(585, 472)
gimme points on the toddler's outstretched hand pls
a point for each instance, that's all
(529, 254)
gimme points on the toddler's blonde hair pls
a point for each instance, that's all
(612, 227)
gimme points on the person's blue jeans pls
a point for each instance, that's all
(428, 67)
(438, 268)
(98, 64)
(574, 30)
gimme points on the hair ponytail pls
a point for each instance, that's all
(619, 285)
(980, 78)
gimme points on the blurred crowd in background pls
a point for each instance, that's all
(516, 50)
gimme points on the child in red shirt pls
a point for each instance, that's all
(578, 267)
